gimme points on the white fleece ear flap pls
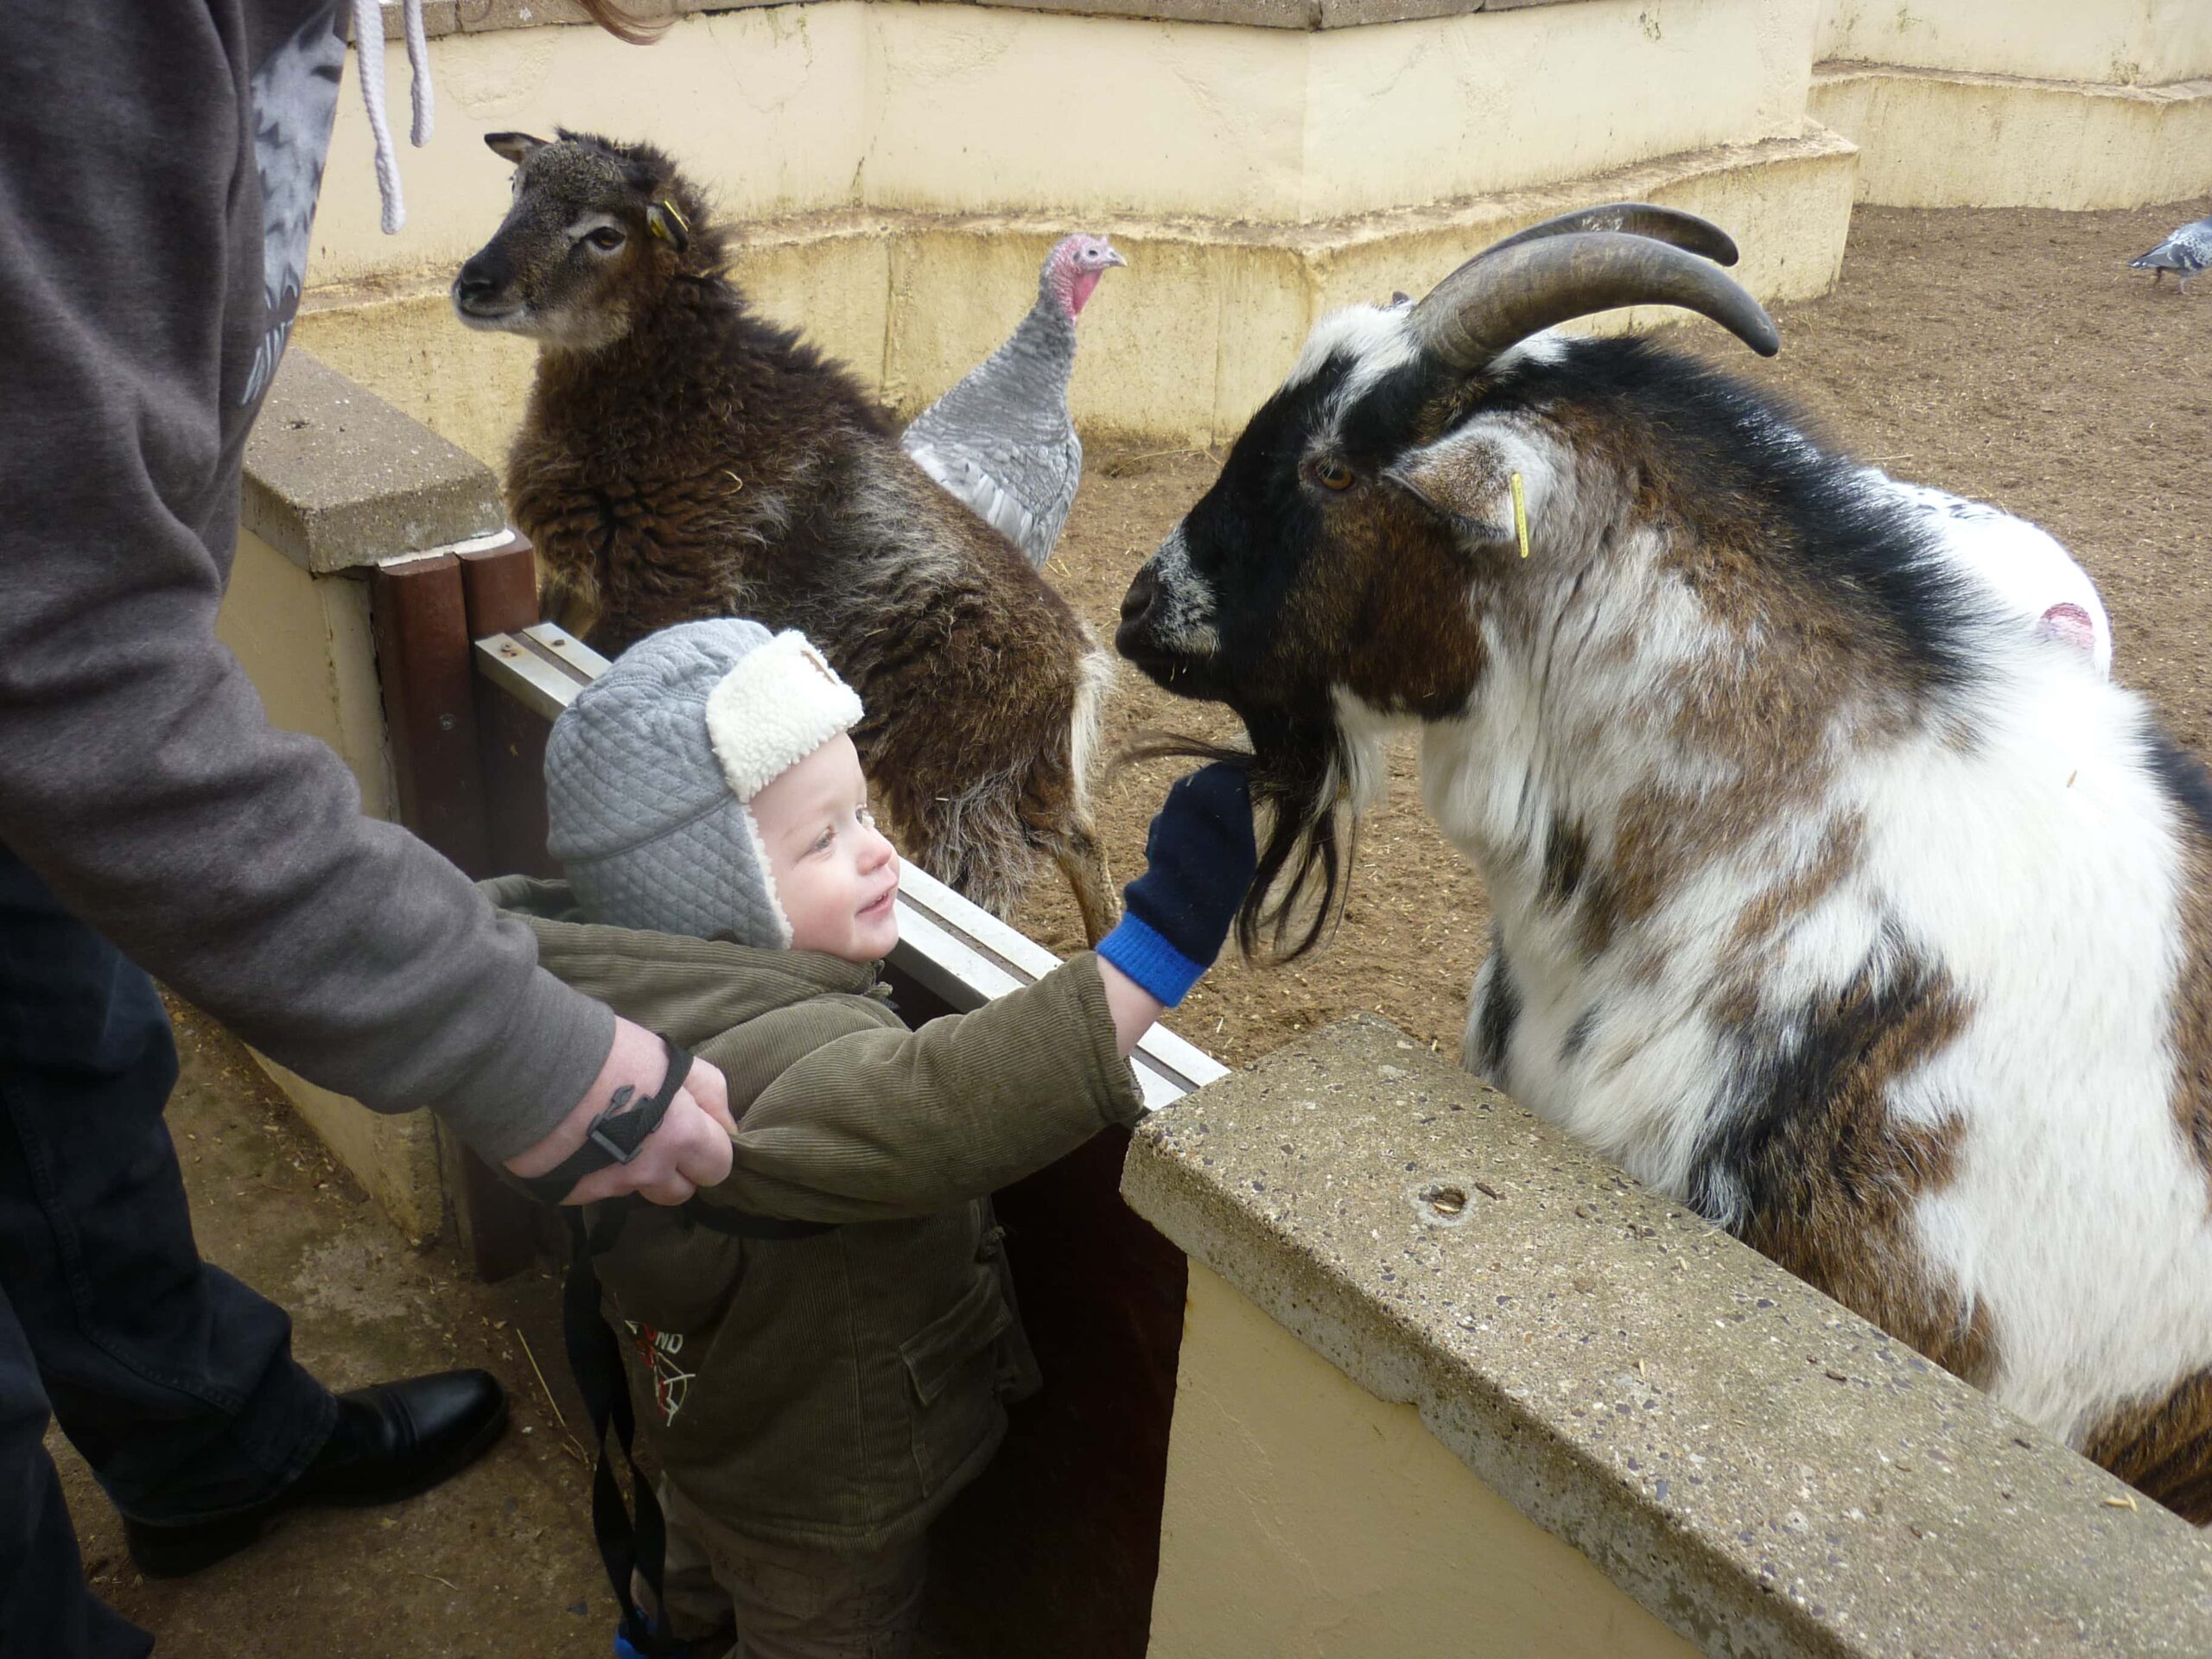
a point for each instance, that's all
(751, 827)
(780, 704)
(1466, 477)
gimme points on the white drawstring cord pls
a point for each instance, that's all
(368, 50)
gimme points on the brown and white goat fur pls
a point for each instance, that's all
(682, 458)
(1829, 898)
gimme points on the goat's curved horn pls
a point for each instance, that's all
(1669, 224)
(1498, 299)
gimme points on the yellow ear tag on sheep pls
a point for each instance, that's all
(1521, 514)
(659, 219)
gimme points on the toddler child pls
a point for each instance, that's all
(816, 1401)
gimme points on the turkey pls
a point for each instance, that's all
(2188, 250)
(1001, 442)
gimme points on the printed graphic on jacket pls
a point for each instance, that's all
(660, 1350)
(295, 102)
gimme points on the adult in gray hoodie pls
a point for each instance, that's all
(159, 165)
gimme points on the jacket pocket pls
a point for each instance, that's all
(951, 1375)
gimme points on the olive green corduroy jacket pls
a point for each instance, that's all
(835, 1391)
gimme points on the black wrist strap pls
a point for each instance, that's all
(615, 1135)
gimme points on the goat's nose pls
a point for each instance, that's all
(1143, 590)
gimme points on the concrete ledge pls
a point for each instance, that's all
(1182, 346)
(1764, 1472)
(1946, 138)
(337, 477)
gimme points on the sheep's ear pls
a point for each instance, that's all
(512, 146)
(1466, 478)
(665, 221)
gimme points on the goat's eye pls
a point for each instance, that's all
(607, 238)
(1333, 475)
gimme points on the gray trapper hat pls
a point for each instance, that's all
(651, 772)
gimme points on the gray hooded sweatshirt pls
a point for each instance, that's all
(159, 164)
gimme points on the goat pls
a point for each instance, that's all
(682, 458)
(1829, 900)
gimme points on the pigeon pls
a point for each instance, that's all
(2188, 250)
(2020, 564)
(1001, 442)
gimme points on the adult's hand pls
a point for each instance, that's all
(690, 1150)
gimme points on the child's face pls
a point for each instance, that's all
(836, 873)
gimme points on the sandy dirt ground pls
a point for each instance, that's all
(2005, 355)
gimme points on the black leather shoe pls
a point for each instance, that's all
(392, 1440)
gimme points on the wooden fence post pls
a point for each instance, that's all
(501, 587)
(425, 636)
(429, 682)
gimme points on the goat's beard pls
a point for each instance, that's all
(1299, 769)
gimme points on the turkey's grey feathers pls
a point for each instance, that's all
(1001, 441)
(1019, 493)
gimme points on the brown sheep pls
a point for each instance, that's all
(682, 458)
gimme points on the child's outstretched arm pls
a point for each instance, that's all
(880, 1123)
(1200, 858)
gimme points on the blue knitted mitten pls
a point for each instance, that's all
(1200, 856)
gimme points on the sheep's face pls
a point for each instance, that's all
(591, 236)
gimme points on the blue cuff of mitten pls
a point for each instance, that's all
(1148, 958)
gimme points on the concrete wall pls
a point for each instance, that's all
(337, 483)
(2069, 104)
(1452, 1384)
(2121, 43)
(1932, 139)
(305, 641)
(1184, 345)
(900, 169)
(1307, 1519)
(967, 110)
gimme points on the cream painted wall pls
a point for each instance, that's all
(1931, 139)
(989, 110)
(1497, 101)
(767, 105)
(305, 642)
(1180, 347)
(984, 109)
(858, 105)
(2123, 41)
(1307, 1519)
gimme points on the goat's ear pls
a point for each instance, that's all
(512, 146)
(1465, 478)
(666, 221)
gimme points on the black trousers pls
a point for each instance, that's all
(175, 1381)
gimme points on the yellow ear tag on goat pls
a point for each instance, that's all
(1520, 515)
